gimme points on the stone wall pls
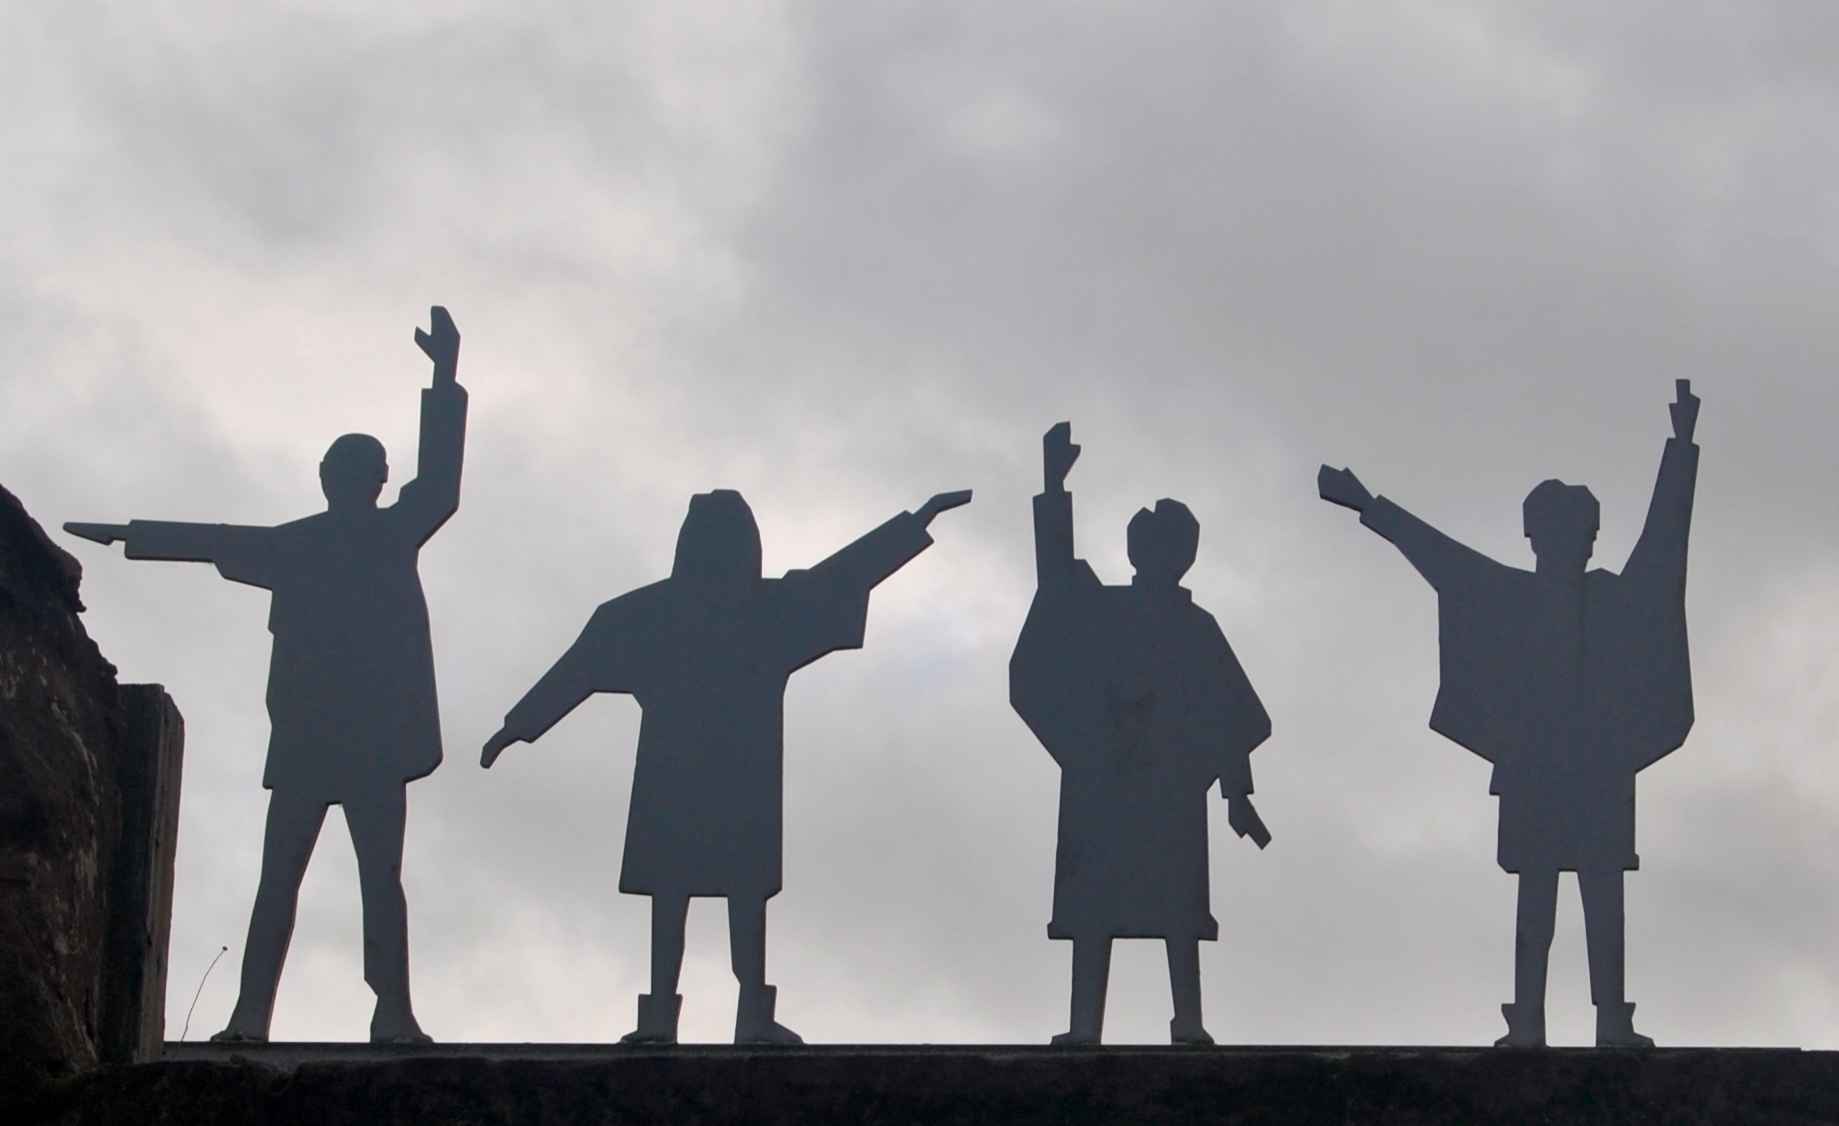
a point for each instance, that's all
(89, 775)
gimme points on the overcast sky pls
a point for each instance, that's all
(843, 256)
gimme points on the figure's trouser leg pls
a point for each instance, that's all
(1534, 922)
(1091, 976)
(1603, 933)
(753, 1019)
(669, 916)
(377, 825)
(659, 1009)
(1184, 986)
(287, 844)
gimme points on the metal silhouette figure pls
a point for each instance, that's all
(707, 653)
(1569, 681)
(351, 698)
(1137, 696)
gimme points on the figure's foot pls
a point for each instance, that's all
(1075, 1039)
(753, 1020)
(393, 1022)
(657, 1020)
(1180, 1033)
(1615, 1027)
(236, 1035)
(1525, 1027)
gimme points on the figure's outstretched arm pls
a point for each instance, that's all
(1056, 565)
(1661, 550)
(861, 566)
(238, 550)
(1436, 556)
(590, 665)
(434, 495)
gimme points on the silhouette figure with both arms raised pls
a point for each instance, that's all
(1569, 681)
(1137, 696)
(707, 653)
(351, 697)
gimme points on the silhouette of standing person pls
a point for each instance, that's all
(1569, 681)
(707, 653)
(1137, 696)
(351, 698)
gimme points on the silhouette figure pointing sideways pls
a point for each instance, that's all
(1136, 694)
(351, 697)
(1570, 681)
(707, 653)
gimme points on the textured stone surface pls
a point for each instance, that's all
(88, 814)
(336, 1084)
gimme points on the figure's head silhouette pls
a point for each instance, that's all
(353, 471)
(1162, 542)
(718, 547)
(1561, 521)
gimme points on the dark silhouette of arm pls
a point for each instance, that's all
(1057, 567)
(861, 566)
(434, 495)
(1660, 553)
(241, 552)
(605, 658)
(1436, 556)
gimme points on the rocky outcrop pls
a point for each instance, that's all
(89, 776)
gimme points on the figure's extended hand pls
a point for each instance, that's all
(442, 344)
(1058, 453)
(1244, 819)
(941, 503)
(1340, 486)
(495, 746)
(104, 534)
(1685, 410)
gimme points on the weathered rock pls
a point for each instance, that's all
(89, 773)
(301, 1085)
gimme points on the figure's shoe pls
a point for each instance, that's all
(235, 1035)
(657, 1020)
(753, 1019)
(1615, 1027)
(1075, 1039)
(393, 1022)
(1180, 1033)
(1525, 1029)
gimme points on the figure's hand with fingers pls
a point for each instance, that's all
(1684, 409)
(943, 502)
(495, 746)
(441, 343)
(1340, 486)
(1058, 453)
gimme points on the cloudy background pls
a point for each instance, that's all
(844, 256)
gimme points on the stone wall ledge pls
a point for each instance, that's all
(332, 1084)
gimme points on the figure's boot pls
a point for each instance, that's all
(1615, 1027)
(393, 1022)
(1525, 1026)
(1188, 1032)
(657, 1019)
(753, 1019)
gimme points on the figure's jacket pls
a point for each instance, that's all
(1568, 690)
(351, 696)
(707, 791)
(1136, 694)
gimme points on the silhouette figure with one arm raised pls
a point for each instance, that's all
(1137, 696)
(351, 697)
(1569, 681)
(707, 653)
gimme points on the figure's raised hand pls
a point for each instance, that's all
(1340, 486)
(1058, 453)
(495, 746)
(941, 503)
(1685, 410)
(441, 343)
